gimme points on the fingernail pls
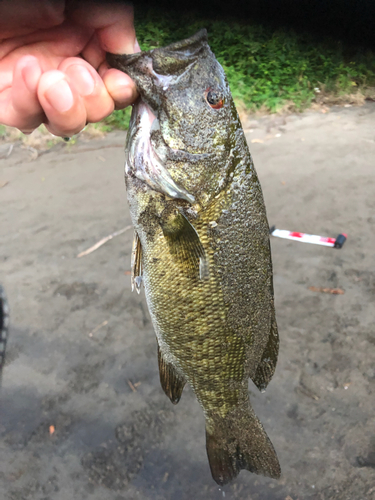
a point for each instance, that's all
(82, 79)
(129, 47)
(60, 96)
(124, 95)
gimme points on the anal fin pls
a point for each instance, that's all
(184, 244)
(136, 264)
(171, 382)
(267, 365)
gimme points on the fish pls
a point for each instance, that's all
(201, 246)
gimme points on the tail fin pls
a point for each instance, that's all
(237, 442)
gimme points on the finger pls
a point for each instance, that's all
(62, 104)
(119, 85)
(114, 32)
(93, 52)
(117, 35)
(25, 100)
(19, 17)
(112, 21)
(89, 85)
(19, 104)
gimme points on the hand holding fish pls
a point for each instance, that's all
(52, 63)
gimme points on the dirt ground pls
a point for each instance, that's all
(82, 413)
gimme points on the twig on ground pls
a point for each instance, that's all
(333, 291)
(97, 328)
(34, 152)
(132, 386)
(4, 153)
(102, 241)
(87, 150)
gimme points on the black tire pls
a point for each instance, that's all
(4, 327)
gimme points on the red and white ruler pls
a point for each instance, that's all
(309, 238)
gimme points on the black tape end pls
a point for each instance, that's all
(340, 240)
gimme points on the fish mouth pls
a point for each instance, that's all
(142, 161)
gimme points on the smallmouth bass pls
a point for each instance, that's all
(201, 246)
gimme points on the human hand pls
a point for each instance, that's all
(52, 63)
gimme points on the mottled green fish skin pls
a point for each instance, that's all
(219, 330)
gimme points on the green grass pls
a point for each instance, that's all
(266, 69)
(118, 119)
(2, 131)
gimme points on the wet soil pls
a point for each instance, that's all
(82, 414)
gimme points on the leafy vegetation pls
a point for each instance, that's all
(118, 119)
(267, 69)
(2, 131)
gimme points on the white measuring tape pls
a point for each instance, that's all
(309, 238)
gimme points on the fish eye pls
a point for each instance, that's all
(215, 99)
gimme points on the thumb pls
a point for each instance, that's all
(112, 21)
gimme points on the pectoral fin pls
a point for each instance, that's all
(171, 382)
(184, 243)
(136, 264)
